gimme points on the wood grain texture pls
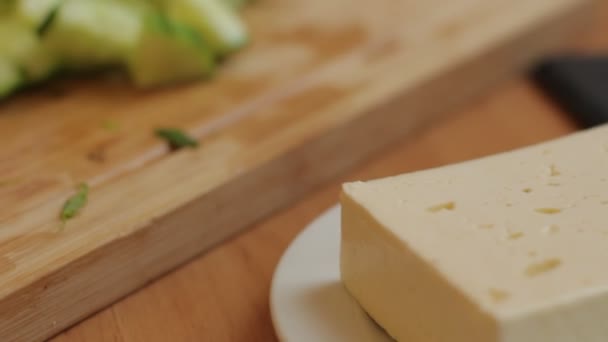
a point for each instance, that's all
(323, 81)
(223, 295)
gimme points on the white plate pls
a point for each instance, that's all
(307, 300)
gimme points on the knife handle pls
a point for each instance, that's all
(579, 84)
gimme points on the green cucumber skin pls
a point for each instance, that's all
(44, 26)
(168, 53)
(218, 25)
(35, 13)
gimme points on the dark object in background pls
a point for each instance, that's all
(579, 84)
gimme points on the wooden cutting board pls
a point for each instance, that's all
(323, 85)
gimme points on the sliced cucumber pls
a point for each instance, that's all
(219, 26)
(39, 64)
(35, 13)
(90, 33)
(159, 42)
(6, 6)
(10, 77)
(15, 39)
(21, 46)
(168, 52)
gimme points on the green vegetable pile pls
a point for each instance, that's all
(157, 42)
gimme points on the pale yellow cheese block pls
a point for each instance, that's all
(509, 248)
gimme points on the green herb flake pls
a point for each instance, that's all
(176, 138)
(110, 125)
(75, 203)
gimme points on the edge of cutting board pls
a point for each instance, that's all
(146, 222)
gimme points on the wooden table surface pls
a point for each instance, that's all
(223, 295)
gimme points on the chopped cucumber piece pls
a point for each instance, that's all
(39, 64)
(158, 41)
(214, 20)
(94, 32)
(10, 77)
(15, 39)
(168, 52)
(6, 6)
(21, 46)
(35, 13)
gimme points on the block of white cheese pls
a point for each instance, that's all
(507, 248)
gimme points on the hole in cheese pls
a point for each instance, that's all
(542, 267)
(442, 206)
(548, 210)
(498, 295)
(553, 171)
(515, 235)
